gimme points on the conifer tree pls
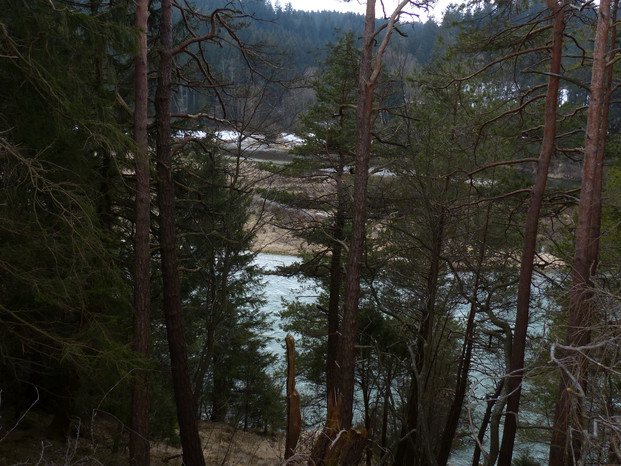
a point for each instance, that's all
(139, 435)
(327, 130)
(514, 382)
(567, 434)
(184, 397)
(370, 68)
(63, 298)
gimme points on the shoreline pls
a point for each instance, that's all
(274, 240)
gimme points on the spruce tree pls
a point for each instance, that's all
(64, 296)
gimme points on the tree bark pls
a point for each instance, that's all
(414, 444)
(294, 416)
(565, 448)
(184, 399)
(368, 76)
(491, 402)
(349, 325)
(336, 280)
(515, 376)
(596, 211)
(139, 434)
(463, 370)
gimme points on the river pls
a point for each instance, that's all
(279, 288)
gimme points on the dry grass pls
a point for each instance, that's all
(225, 445)
(272, 239)
(106, 444)
(274, 223)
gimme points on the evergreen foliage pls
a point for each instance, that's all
(231, 365)
(65, 300)
(458, 123)
(303, 35)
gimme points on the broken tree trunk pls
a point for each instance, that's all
(294, 415)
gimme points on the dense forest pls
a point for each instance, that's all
(451, 194)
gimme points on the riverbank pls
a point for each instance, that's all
(270, 239)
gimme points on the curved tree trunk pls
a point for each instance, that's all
(489, 410)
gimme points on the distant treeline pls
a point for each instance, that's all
(302, 35)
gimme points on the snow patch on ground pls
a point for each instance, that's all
(291, 139)
(229, 136)
(191, 134)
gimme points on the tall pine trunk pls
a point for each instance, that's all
(182, 384)
(367, 79)
(336, 280)
(514, 381)
(596, 211)
(565, 448)
(139, 435)
(349, 324)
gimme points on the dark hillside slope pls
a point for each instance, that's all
(303, 35)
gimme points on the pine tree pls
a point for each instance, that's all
(328, 130)
(139, 435)
(222, 293)
(184, 399)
